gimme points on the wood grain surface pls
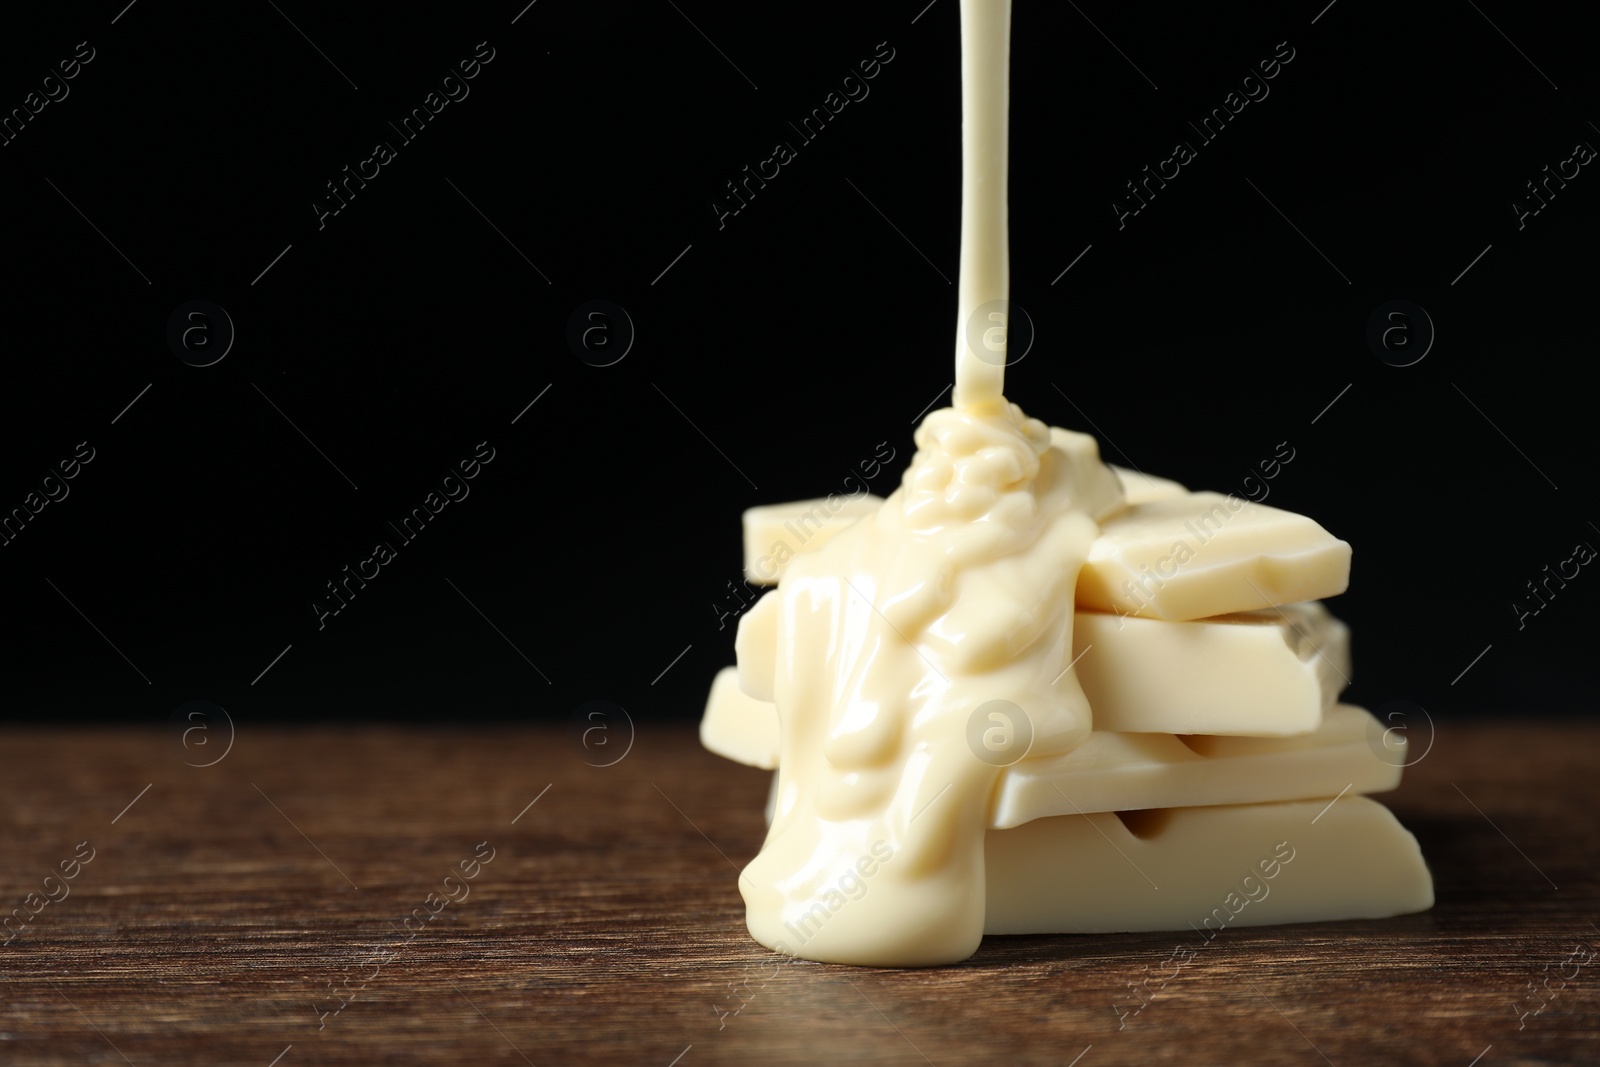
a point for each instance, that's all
(228, 912)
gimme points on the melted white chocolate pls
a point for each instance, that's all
(958, 591)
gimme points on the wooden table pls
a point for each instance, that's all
(221, 910)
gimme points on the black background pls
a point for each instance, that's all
(813, 325)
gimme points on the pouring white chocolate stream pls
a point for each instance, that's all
(984, 287)
(957, 592)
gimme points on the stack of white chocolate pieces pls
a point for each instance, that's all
(1223, 784)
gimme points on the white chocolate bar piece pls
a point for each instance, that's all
(1204, 869)
(755, 647)
(1270, 673)
(737, 726)
(1141, 488)
(1261, 673)
(1125, 772)
(1205, 554)
(774, 533)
